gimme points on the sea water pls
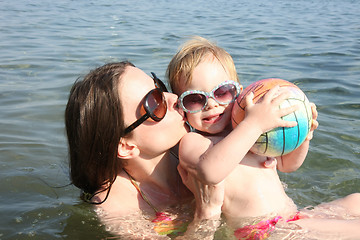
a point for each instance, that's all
(46, 45)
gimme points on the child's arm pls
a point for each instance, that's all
(292, 161)
(212, 161)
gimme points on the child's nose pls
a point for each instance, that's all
(211, 103)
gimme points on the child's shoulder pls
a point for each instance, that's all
(198, 140)
(194, 144)
(193, 137)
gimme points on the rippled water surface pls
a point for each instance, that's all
(46, 45)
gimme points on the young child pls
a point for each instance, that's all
(204, 77)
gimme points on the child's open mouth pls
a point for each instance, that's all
(213, 118)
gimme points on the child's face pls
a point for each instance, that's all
(214, 118)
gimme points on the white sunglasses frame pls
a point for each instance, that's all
(210, 94)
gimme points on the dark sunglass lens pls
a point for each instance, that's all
(156, 105)
(225, 93)
(194, 101)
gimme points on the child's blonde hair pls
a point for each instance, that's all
(190, 55)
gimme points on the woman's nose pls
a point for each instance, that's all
(171, 100)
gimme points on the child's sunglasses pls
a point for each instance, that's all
(194, 101)
(154, 105)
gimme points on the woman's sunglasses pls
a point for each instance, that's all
(194, 101)
(154, 105)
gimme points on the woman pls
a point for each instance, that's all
(121, 125)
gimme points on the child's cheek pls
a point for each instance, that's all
(194, 119)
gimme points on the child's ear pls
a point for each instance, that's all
(126, 149)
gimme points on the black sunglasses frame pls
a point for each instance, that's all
(159, 83)
(160, 86)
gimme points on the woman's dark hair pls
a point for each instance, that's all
(94, 125)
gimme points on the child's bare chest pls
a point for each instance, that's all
(253, 190)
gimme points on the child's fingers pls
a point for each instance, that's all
(282, 94)
(285, 123)
(310, 136)
(314, 111)
(249, 99)
(270, 162)
(272, 93)
(314, 124)
(288, 110)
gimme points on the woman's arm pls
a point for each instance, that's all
(209, 200)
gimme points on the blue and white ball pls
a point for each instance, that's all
(281, 140)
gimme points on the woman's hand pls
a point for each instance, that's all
(209, 198)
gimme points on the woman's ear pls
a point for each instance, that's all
(126, 149)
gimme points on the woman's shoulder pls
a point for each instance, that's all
(122, 198)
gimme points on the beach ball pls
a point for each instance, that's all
(281, 140)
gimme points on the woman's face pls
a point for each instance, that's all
(150, 136)
(214, 118)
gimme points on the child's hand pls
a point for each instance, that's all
(315, 123)
(267, 113)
